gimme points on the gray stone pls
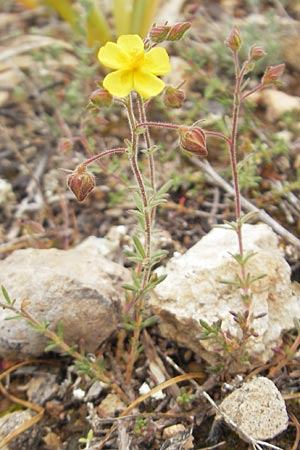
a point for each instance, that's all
(78, 288)
(257, 408)
(194, 290)
(10, 422)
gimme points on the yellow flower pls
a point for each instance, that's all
(135, 69)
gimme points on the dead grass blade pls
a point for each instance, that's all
(38, 409)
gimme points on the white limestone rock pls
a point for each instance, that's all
(78, 287)
(193, 290)
(257, 408)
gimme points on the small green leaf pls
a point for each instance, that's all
(165, 188)
(60, 330)
(130, 287)
(139, 246)
(249, 216)
(6, 296)
(156, 202)
(297, 325)
(151, 150)
(150, 321)
(152, 284)
(205, 325)
(203, 336)
(136, 259)
(138, 201)
(129, 326)
(13, 317)
(51, 346)
(258, 277)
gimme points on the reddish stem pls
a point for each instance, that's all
(158, 125)
(218, 135)
(100, 155)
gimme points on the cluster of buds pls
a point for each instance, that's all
(192, 140)
(161, 33)
(173, 97)
(81, 182)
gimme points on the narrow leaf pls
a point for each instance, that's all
(139, 246)
(6, 296)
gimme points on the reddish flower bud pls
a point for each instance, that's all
(101, 98)
(192, 140)
(173, 97)
(256, 53)
(234, 40)
(81, 182)
(178, 30)
(159, 33)
(272, 74)
(169, 33)
(65, 145)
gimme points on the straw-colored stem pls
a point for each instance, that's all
(96, 26)
(142, 16)
(123, 10)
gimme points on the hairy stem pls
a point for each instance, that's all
(105, 153)
(239, 74)
(143, 119)
(145, 268)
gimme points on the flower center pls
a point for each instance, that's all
(137, 58)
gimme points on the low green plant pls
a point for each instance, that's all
(136, 65)
(185, 398)
(88, 440)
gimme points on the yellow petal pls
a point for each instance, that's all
(112, 55)
(147, 84)
(131, 43)
(119, 83)
(157, 61)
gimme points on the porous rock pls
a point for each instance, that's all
(194, 290)
(257, 408)
(78, 288)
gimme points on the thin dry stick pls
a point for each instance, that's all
(212, 175)
(29, 423)
(296, 423)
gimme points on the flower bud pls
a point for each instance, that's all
(178, 30)
(173, 97)
(192, 140)
(159, 33)
(256, 53)
(272, 74)
(175, 32)
(65, 145)
(234, 40)
(81, 182)
(101, 98)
